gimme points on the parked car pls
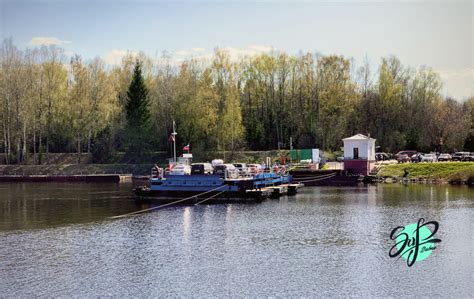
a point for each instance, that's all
(181, 169)
(217, 162)
(444, 157)
(468, 158)
(222, 169)
(340, 159)
(242, 168)
(409, 153)
(429, 158)
(416, 157)
(202, 168)
(403, 158)
(255, 169)
(459, 156)
(381, 156)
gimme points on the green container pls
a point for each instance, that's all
(301, 154)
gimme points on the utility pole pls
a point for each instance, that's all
(291, 150)
(174, 141)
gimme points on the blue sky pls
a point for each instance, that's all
(438, 34)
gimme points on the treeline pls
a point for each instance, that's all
(50, 103)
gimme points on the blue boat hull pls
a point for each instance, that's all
(211, 188)
(157, 196)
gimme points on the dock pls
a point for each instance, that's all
(284, 189)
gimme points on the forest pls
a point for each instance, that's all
(50, 102)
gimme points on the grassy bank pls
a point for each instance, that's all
(444, 171)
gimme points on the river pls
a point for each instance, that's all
(57, 240)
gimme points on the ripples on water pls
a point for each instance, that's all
(56, 240)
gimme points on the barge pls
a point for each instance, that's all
(330, 177)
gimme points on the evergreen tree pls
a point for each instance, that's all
(138, 113)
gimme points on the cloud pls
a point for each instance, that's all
(115, 56)
(458, 83)
(198, 49)
(257, 48)
(191, 52)
(456, 73)
(69, 53)
(253, 50)
(206, 55)
(47, 41)
(183, 53)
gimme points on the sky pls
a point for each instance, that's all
(436, 34)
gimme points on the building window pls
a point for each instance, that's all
(356, 153)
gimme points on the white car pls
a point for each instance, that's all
(429, 158)
(242, 168)
(181, 169)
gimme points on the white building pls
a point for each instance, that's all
(359, 154)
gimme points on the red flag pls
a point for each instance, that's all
(186, 148)
(171, 138)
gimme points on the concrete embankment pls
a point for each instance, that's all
(73, 172)
(98, 178)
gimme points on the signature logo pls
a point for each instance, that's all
(414, 242)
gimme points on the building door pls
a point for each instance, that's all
(356, 153)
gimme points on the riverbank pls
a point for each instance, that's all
(440, 172)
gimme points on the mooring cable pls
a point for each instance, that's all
(317, 179)
(314, 177)
(165, 205)
(209, 198)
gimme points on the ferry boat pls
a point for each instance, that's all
(215, 188)
(167, 185)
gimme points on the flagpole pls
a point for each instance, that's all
(174, 141)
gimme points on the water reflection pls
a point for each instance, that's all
(40, 205)
(186, 222)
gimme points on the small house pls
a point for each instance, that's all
(359, 154)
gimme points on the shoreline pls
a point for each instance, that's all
(453, 173)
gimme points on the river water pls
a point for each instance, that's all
(56, 240)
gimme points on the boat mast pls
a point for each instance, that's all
(174, 141)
